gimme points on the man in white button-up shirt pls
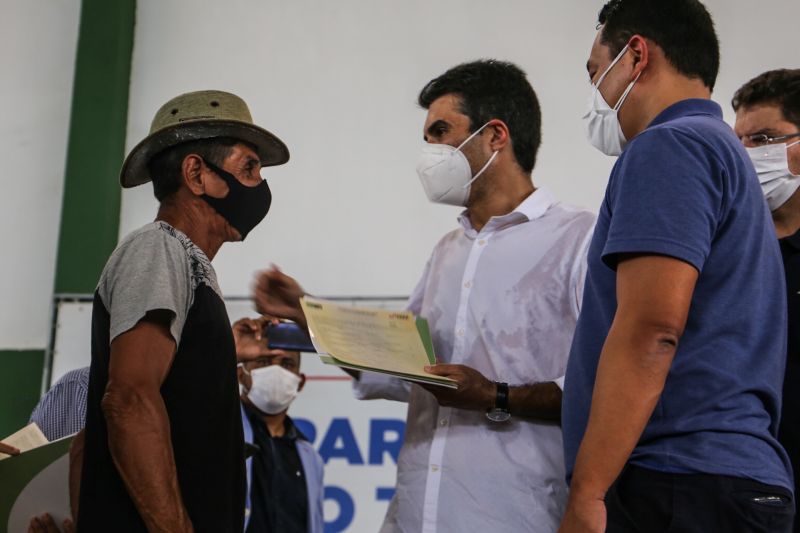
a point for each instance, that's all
(501, 294)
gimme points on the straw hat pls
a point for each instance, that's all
(200, 115)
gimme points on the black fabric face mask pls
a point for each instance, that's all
(243, 207)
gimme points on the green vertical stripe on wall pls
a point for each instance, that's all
(91, 204)
(19, 387)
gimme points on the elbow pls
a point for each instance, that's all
(663, 338)
(656, 344)
(652, 333)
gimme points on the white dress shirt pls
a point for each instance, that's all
(503, 301)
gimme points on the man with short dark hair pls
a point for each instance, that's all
(768, 123)
(671, 399)
(163, 438)
(501, 295)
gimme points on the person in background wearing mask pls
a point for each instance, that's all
(671, 399)
(284, 474)
(768, 123)
(163, 439)
(501, 294)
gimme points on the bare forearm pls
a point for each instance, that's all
(75, 469)
(141, 447)
(541, 401)
(630, 378)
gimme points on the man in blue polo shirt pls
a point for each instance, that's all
(672, 392)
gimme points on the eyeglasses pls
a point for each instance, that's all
(762, 139)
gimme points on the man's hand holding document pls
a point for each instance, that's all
(374, 340)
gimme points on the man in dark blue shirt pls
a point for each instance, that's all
(672, 392)
(768, 123)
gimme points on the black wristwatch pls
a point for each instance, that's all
(500, 412)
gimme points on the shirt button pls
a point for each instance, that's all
(460, 332)
(482, 242)
(443, 422)
(468, 284)
(434, 468)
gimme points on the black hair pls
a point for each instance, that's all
(165, 166)
(490, 89)
(778, 87)
(683, 29)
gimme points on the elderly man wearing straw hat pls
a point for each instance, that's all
(163, 438)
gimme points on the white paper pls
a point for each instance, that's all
(25, 439)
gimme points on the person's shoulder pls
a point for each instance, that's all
(695, 131)
(79, 376)
(572, 217)
(155, 248)
(155, 237)
(152, 235)
(574, 213)
(447, 239)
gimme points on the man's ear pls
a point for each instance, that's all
(641, 54)
(192, 173)
(500, 136)
(302, 382)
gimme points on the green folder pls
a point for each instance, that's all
(19, 471)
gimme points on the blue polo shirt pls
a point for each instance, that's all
(685, 188)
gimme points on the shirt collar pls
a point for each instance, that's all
(688, 107)
(290, 430)
(531, 208)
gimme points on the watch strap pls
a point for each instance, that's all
(501, 400)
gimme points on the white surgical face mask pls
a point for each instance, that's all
(445, 173)
(273, 388)
(602, 123)
(778, 184)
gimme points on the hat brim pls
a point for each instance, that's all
(271, 150)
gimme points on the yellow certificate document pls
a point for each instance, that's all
(390, 342)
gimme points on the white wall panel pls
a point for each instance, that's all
(38, 40)
(338, 81)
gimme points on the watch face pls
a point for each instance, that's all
(498, 415)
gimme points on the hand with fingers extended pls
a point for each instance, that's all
(278, 295)
(46, 524)
(248, 334)
(474, 391)
(8, 449)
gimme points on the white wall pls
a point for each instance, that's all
(38, 40)
(338, 81)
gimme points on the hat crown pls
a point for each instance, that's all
(201, 106)
(195, 116)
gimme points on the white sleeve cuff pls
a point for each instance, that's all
(375, 386)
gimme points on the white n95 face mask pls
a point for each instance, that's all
(602, 122)
(273, 388)
(778, 184)
(445, 173)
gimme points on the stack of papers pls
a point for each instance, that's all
(373, 340)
